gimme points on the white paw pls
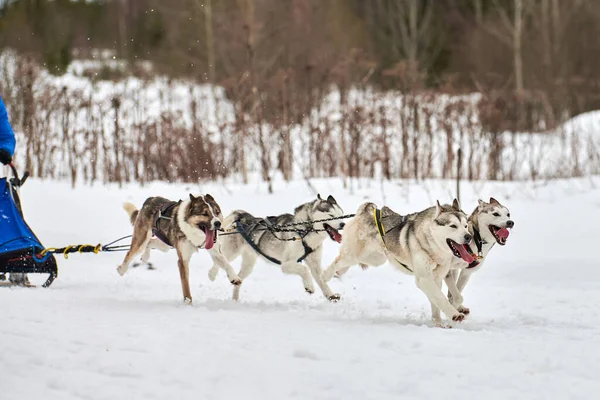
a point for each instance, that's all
(122, 269)
(310, 289)
(463, 310)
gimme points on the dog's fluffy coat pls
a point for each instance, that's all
(427, 243)
(232, 246)
(192, 225)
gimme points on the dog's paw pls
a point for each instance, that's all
(236, 281)
(212, 274)
(458, 317)
(334, 298)
(440, 324)
(187, 301)
(309, 290)
(463, 310)
(121, 269)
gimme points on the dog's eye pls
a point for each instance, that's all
(496, 214)
(508, 215)
(453, 226)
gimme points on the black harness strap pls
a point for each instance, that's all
(479, 244)
(478, 241)
(248, 239)
(160, 214)
(307, 251)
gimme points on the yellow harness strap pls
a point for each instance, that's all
(381, 230)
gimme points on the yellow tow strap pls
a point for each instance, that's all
(381, 230)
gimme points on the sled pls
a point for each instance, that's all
(20, 250)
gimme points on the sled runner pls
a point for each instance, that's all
(20, 250)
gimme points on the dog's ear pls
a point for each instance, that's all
(456, 205)
(494, 201)
(331, 200)
(192, 198)
(319, 196)
(209, 197)
(480, 202)
(438, 208)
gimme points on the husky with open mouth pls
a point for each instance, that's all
(184, 225)
(251, 238)
(424, 244)
(488, 224)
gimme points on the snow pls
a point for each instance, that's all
(95, 335)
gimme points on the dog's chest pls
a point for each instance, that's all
(194, 235)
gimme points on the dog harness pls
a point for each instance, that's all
(479, 243)
(381, 230)
(244, 233)
(163, 212)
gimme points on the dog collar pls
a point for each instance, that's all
(478, 242)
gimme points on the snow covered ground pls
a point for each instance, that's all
(95, 335)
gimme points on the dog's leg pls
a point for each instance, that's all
(343, 260)
(342, 271)
(454, 295)
(294, 268)
(139, 243)
(463, 279)
(184, 253)
(314, 263)
(219, 261)
(452, 274)
(435, 310)
(425, 277)
(248, 261)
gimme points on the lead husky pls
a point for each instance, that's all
(488, 224)
(422, 244)
(270, 246)
(184, 225)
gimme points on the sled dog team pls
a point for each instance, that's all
(440, 243)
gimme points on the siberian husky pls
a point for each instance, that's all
(423, 244)
(251, 238)
(488, 224)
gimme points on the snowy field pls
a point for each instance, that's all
(95, 335)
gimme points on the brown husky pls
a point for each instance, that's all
(185, 225)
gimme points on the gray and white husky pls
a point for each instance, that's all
(488, 224)
(270, 246)
(424, 244)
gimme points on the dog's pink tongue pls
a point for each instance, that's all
(464, 254)
(337, 237)
(503, 233)
(210, 239)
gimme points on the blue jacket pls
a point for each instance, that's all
(7, 136)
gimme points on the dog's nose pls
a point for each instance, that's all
(510, 223)
(217, 224)
(468, 238)
(342, 225)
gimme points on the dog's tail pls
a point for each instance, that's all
(132, 211)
